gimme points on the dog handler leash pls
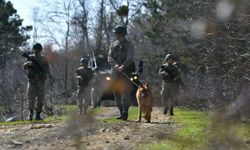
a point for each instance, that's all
(129, 78)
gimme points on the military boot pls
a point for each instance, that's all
(165, 111)
(171, 111)
(125, 113)
(121, 111)
(85, 110)
(30, 117)
(80, 110)
(38, 117)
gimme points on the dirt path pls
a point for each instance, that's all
(87, 133)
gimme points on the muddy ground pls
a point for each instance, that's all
(86, 132)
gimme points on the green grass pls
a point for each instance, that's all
(197, 129)
(244, 131)
(133, 114)
(191, 133)
(67, 110)
(111, 120)
(95, 111)
(50, 119)
(71, 109)
(194, 128)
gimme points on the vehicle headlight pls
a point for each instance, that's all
(108, 78)
(135, 77)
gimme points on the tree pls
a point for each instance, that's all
(80, 21)
(126, 11)
(57, 24)
(100, 25)
(12, 33)
(213, 48)
(103, 29)
(12, 36)
(122, 11)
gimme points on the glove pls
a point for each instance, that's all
(165, 75)
(79, 78)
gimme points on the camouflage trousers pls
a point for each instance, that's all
(84, 98)
(122, 88)
(35, 92)
(96, 94)
(169, 94)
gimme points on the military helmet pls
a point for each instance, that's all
(120, 29)
(169, 56)
(37, 46)
(83, 61)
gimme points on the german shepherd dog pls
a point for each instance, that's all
(145, 101)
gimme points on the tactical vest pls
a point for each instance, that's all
(86, 74)
(171, 70)
(34, 72)
(120, 55)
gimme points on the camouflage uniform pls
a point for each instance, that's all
(84, 75)
(121, 53)
(36, 83)
(170, 86)
(98, 88)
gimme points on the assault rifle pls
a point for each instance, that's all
(171, 72)
(38, 66)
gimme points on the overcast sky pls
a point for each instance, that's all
(25, 9)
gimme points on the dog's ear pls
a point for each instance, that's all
(140, 85)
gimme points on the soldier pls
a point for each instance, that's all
(98, 88)
(38, 70)
(121, 57)
(84, 75)
(171, 79)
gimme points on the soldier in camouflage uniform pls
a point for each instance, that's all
(121, 57)
(98, 87)
(84, 75)
(171, 79)
(36, 81)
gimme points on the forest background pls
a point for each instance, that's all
(210, 40)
